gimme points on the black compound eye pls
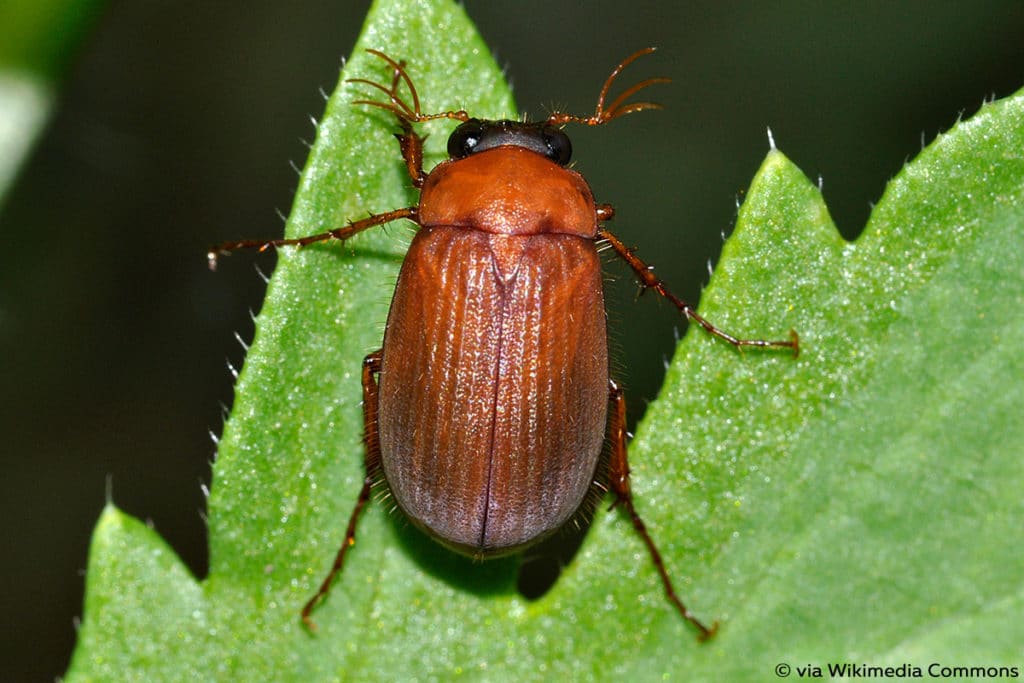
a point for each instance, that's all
(559, 147)
(480, 135)
(464, 139)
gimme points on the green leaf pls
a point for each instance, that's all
(861, 503)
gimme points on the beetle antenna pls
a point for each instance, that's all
(396, 105)
(618, 107)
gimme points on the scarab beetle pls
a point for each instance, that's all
(488, 406)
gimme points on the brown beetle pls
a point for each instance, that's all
(487, 408)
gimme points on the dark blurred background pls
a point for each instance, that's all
(175, 126)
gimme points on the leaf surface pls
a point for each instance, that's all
(860, 503)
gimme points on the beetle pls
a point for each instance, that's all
(488, 406)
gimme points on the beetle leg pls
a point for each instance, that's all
(371, 366)
(649, 280)
(618, 479)
(411, 145)
(342, 234)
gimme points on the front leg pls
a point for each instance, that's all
(411, 144)
(341, 234)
